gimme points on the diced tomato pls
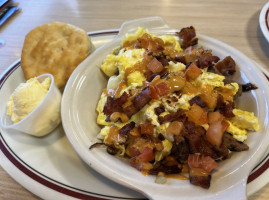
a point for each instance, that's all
(153, 92)
(202, 162)
(147, 155)
(193, 72)
(155, 66)
(162, 88)
(209, 97)
(214, 117)
(174, 128)
(215, 132)
(197, 115)
(147, 128)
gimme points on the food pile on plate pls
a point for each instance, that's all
(57, 49)
(169, 106)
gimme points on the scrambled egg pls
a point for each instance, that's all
(170, 42)
(127, 58)
(175, 67)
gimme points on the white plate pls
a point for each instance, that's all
(79, 120)
(264, 21)
(50, 168)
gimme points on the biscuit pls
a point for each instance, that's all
(56, 48)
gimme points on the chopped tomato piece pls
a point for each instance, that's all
(153, 92)
(197, 115)
(155, 66)
(202, 162)
(174, 128)
(193, 72)
(162, 88)
(147, 155)
(147, 128)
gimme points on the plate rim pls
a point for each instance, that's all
(263, 21)
(5, 75)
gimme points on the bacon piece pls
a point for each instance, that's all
(206, 60)
(142, 99)
(197, 100)
(232, 144)
(226, 109)
(200, 180)
(198, 144)
(174, 169)
(188, 36)
(226, 66)
(152, 45)
(159, 110)
(179, 116)
(127, 128)
(115, 104)
(130, 110)
(155, 66)
(248, 86)
(180, 149)
(215, 132)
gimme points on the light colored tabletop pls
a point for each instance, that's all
(233, 22)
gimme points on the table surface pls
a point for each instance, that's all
(233, 22)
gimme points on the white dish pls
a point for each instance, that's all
(79, 120)
(264, 21)
(65, 175)
(43, 116)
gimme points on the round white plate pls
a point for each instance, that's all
(79, 120)
(50, 168)
(264, 21)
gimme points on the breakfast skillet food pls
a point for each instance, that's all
(170, 108)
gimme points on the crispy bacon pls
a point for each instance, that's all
(142, 99)
(115, 104)
(249, 86)
(188, 36)
(232, 144)
(199, 180)
(206, 60)
(180, 149)
(197, 100)
(226, 109)
(198, 144)
(159, 110)
(226, 66)
(179, 116)
(215, 132)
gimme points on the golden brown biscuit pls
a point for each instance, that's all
(56, 48)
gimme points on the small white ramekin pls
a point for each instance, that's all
(44, 118)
